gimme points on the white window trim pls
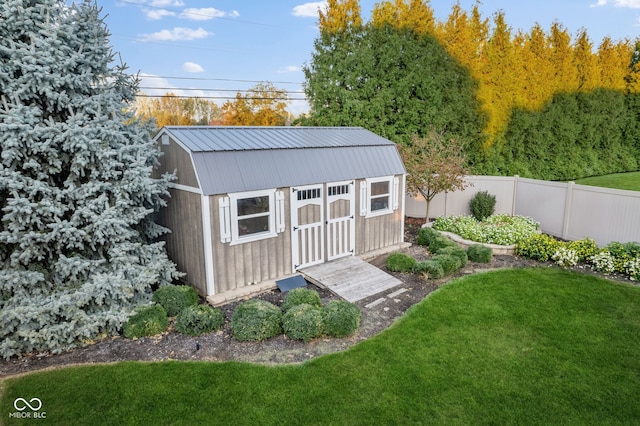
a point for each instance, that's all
(389, 209)
(233, 198)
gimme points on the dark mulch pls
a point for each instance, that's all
(220, 346)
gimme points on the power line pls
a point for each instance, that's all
(144, 95)
(214, 90)
(217, 79)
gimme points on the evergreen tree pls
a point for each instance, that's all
(76, 190)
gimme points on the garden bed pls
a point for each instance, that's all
(497, 249)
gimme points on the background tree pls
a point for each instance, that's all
(262, 105)
(170, 109)
(76, 191)
(434, 164)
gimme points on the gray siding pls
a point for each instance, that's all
(249, 263)
(185, 244)
(177, 159)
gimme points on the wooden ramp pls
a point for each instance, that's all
(350, 278)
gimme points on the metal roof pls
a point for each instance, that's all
(235, 159)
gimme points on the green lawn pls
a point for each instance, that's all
(529, 346)
(630, 181)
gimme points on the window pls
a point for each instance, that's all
(253, 216)
(378, 196)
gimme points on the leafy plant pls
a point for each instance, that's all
(603, 262)
(584, 248)
(174, 298)
(538, 246)
(400, 262)
(565, 256)
(479, 253)
(146, 321)
(457, 252)
(429, 268)
(499, 229)
(198, 319)
(303, 322)
(426, 236)
(449, 264)
(482, 205)
(301, 295)
(341, 318)
(256, 320)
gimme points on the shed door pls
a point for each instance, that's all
(340, 219)
(307, 222)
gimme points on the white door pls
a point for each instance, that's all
(307, 224)
(340, 219)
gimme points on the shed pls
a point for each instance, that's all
(254, 204)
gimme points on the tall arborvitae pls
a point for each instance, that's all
(76, 191)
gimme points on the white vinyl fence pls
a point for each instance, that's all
(565, 210)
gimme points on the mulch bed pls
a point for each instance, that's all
(220, 346)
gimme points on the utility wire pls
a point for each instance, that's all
(144, 95)
(217, 79)
(214, 90)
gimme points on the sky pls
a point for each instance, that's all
(216, 48)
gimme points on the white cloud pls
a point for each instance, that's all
(206, 13)
(289, 68)
(166, 3)
(192, 67)
(155, 14)
(309, 10)
(632, 4)
(176, 34)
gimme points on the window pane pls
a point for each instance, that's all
(253, 225)
(247, 206)
(379, 188)
(380, 203)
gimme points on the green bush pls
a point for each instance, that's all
(457, 252)
(482, 205)
(479, 253)
(538, 246)
(256, 320)
(430, 268)
(426, 235)
(303, 322)
(198, 319)
(400, 262)
(341, 318)
(174, 298)
(440, 242)
(301, 295)
(500, 229)
(147, 321)
(585, 248)
(449, 264)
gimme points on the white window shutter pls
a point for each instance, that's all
(280, 211)
(225, 220)
(363, 198)
(396, 193)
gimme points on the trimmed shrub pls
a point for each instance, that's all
(301, 295)
(426, 235)
(479, 253)
(341, 318)
(256, 320)
(449, 264)
(303, 322)
(440, 242)
(198, 319)
(457, 252)
(147, 321)
(400, 262)
(482, 205)
(174, 298)
(430, 268)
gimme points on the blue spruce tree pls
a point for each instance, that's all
(76, 187)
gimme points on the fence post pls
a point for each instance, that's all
(567, 210)
(515, 195)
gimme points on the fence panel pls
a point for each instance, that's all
(565, 210)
